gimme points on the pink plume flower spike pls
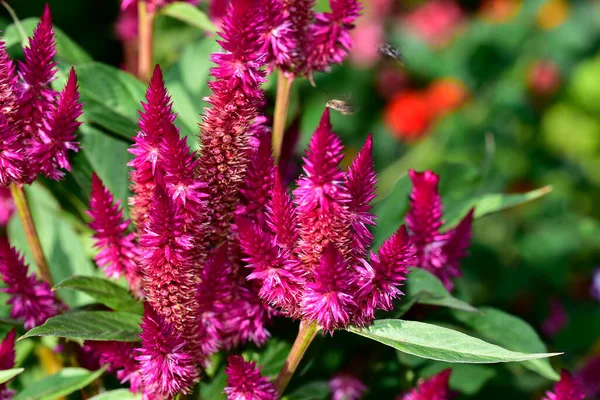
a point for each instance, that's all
(321, 197)
(156, 116)
(164, 364)
(455, 249)
(244, 381)
(344, 386)
(330, 35)
(329, 300)
(120, 356)
(278, 38)
(8, 85)
(12, 156)
(167, 265)
(256, 191)
(300, 15)
(434, 388)
(281, 215)
(280, 287)
(360, 182)
(57, 133)
(32, 300)
(7, 361)
(568, 388)
(118, 252)
(380, 280)
(235, 101)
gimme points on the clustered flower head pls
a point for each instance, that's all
(37, 124)
(32, 300)
(312, 259)
(7, 361)
(344, 386)
(434, 388)
(437, 252)
(244, 381)
(120, 357)
(568, 388)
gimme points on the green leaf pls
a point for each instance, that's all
(390, 211)
(189, 14)
(7, 374)
(271, 357)
(118, 394)
(426, 288)
(91, 325)
(214, 388)
(111, 97)
(490, 203)
(318, 390)
(465, 378)
(66, 48)
(510, 332)
(67, 381)
(104, 291)
(438, 343)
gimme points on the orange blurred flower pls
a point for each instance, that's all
(408, 115)
(552, 14)
(446, 95)
(499, 11)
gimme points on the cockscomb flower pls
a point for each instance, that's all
(344, 386)
(7, 361)
(244, 381)
(278, 37)
(118, 252)
(434, 388)
(32, 300)
(312, 259)
(235, 101)
(437, 252)
(11, 153)
(8, 84)
(166, 367)
(7, 207)
(568, 388)
(120, 357)
(57, 133)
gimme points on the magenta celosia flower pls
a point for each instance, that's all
(437, 252)
(57, 133)
(589, 377)
(167, 266)
(8, 83)
(281, 216)
(345, 386)
(330, 35)
(244, 381)
(300, 14)
(166, 367)
(7, 361)
(118, 253)
(120, 357)
(11, 153)
(329, 300)
(7, 207)
(434, 388)
(278, 38)
(568, 388)
(32, 300)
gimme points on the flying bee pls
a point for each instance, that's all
(386, 49)
(341, 106)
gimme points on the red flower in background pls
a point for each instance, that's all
(408, 115)
(446, 95)
(543, 78)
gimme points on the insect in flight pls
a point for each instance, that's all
(386, 49)
(341, 106)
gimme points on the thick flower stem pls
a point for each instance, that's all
(284, 86)
(20, 199)
(146, 41)
(306, 334)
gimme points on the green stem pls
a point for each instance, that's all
(13, 15)
(146, 41)
(284, 86)
(20, 199)
(306, 334)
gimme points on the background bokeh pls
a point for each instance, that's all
(509, 87)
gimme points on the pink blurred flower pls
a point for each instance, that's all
(7, 206)
(7, 361)
(568, 388)
(557, 318)
(346, 387)
(435, 22)
(367, 36)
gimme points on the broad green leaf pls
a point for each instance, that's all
(118, 394)
(91, 325)
(104, 291)
(67, 253)
(428, 289)
(7, 374)
(67, 381)
(490, 203)
(438, 343)
(390, 211)
(189, 14)
(270, 357)
(66, 49)
(318, 390)
(510, 332)
(113, 170)
(214, 388)
(111, 97)
(465, 378)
